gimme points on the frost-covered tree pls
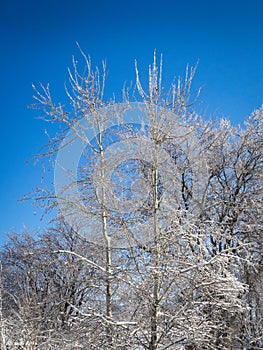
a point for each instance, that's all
(160, 242)
(43, 289)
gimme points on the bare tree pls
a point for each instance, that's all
(158, 242)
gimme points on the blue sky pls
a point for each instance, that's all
(38, 39)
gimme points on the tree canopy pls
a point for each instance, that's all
(156, 241)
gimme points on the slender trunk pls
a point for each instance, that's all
(107, 242)
(2, 325)
(156, 259)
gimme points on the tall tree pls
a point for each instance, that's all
(155, 249)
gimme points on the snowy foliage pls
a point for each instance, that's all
(181, 268)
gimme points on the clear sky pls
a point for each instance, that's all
(38, 39)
